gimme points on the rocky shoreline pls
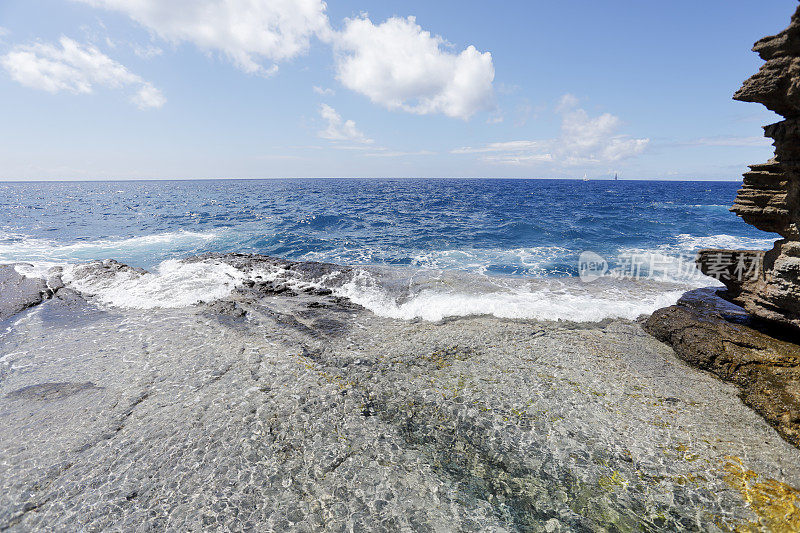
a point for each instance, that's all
(755, 346)
(714, 335)
(285, 407)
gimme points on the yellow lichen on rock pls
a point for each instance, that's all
(776, 504)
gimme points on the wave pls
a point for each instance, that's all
(675, 262)
(173, 284)
(530, 260)
(542, 299)
(693, 243)
(14, 248)
(524, 283)
(400, 293)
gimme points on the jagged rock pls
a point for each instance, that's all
(770, 196)
(106, 269)
(18, 292)
(716, 337)
(249, 262)
(777, 84)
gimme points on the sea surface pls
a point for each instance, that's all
(424, 249)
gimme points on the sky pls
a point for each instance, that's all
(184, 89)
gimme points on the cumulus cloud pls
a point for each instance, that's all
(584, 140)
(338, 129)
(396, 64)
(76, 68)
(245, 31)
(400, 66)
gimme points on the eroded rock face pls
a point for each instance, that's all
(770, 194)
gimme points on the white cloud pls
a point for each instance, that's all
(385, 152)
(402, 67)
(567, 102)
(509, 146)
(584, 140)
(147, 52)
(338, 129)
(148, 96)
(245, 31)
(75, 68)
(730, 141)
(324, 91)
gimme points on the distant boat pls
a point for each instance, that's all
(585, 178)
(616, 177)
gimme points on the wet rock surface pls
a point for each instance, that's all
(296, 410)
(768, 284)
(18, 292)
(722, 339)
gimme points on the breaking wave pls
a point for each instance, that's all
(172, 284)
(570, 299)
(14, 247)
(402, 293)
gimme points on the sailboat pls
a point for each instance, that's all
(616, 176)
(585, 178)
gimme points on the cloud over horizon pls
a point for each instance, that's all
(76, 68)
(338, 129)
(400, 66)
(583, 140)
(396, 64)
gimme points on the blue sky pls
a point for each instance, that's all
(124, 89)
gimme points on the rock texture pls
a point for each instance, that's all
(768, 284)
(18, 292)
(282, 407)
(710, 334)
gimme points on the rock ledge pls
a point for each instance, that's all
(711, 334)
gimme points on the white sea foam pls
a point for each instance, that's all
(21, 248)
(439, 284)
(693, 243)
(173, 284)
(531, 259)
(394, 293)
(544, 299)
(675, 262)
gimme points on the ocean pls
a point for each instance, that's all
(420, 248)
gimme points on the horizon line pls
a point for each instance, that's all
(85, 180)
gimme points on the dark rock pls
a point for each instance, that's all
(18, 292)
(226, 308)
(767, 284)
(709, 333)
(329, 326)
(47, 392)
(250, 262)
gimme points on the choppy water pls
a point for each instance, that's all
(424, 248)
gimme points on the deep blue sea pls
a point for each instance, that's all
(428, 248)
